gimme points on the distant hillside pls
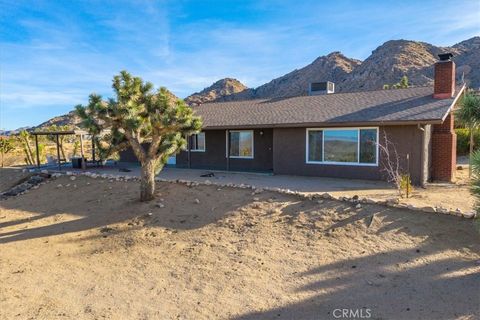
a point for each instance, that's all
(219, 91)
(70, 119)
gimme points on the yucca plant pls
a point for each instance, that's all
(468, 114)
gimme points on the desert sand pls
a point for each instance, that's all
(87, 249)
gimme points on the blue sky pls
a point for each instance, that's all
(53, 54)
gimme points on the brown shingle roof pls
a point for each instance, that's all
(398, 106)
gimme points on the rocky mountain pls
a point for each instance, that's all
(219, 91)
(468, 60)
(386, 65)
(334, 67)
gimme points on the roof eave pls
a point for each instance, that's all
(454, 102)
(327, 124)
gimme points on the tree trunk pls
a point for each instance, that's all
(471, 153)
(147, 183)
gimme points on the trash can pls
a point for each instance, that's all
(78, 163)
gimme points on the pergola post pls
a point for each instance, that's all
(36, 149)
(81, 145)
(58, 153)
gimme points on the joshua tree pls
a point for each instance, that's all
(61, 138)
(153, 124)
(24, 139)
(6, 145)
(469, 115)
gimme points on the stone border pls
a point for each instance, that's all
(393, 202)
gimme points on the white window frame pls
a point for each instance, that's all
(342, 163)
(204, 143)
(227, 144)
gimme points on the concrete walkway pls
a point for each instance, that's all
(451, 196)
(348, 187)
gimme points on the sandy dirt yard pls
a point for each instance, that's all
(10, 177)
(90, 250)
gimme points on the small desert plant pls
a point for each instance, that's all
(402, 84)
(406, 187)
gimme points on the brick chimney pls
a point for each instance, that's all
(444, 139)
(444, 82)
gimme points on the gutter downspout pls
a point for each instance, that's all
(189, 143)
(228, 150)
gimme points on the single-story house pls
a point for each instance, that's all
(333, 134)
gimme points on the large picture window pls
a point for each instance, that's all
(197, 142)
(354, 146)
(241, 144)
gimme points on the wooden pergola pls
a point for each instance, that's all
(79, 133)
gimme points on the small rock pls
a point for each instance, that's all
(59, 185)
(392, 201)
(428, 209)
(73, 178)
(160, 205)
(256, 199)
(469, 215)
(441, 210)
(106, 229)
(320, 201)
(149, 214)
(197, 201)
(358, 206)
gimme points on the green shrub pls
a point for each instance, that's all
(406, 187)
(463, 140)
